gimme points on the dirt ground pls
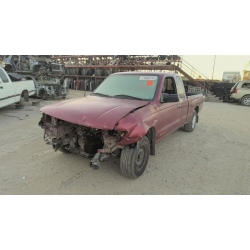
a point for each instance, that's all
(214, 159)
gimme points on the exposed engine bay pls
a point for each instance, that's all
(46, 91)
(49, 88)
(96, 144)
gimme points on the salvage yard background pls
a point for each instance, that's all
(214, 159)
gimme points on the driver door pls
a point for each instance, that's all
(169, 115)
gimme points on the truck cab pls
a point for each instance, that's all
(13, 91)
(7, 90)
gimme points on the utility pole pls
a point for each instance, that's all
(213, 68)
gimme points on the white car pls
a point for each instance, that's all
(13, 91)
(241, 92)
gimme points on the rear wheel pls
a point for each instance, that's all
(8, 68)
(245, 100)
(189, 127)
(21, 103)
(133, 161)
(228, 98)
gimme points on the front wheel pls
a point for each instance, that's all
(246, 100)
(133, 161)
(189, 127)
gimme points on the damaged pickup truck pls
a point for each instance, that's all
(124, 117)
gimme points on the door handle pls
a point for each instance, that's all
(178, 106)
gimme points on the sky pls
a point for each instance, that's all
(204, 64)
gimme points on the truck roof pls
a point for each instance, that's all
(146, 73)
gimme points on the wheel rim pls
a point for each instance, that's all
(246, 101)
(140, 158)
(193, 121)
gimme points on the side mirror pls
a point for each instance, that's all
(169, 98)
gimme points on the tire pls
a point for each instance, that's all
(21, 102)
(228, 98)
(63, 150)
(189, 127)
(245, 100)
(133, 161)
(43, 94)
(8, 68)
(83, 71)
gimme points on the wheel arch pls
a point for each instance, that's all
(245, 95)
(197, 109)
(25, 95)
(151, 137)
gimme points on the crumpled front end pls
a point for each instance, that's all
(94, 133)
(81, 140)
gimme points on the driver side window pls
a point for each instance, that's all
(180, 86)
(3, 76)
(169, 92)
(169, 86)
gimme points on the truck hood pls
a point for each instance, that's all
(94, 111)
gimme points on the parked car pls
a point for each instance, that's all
(14, 89)
(125, 116)
(219, 88)
(241, 92)
(48, 88)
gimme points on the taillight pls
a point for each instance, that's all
(236, 91)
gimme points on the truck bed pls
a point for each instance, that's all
(188, 94)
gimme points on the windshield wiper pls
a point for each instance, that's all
(100, 94)
(121, 95)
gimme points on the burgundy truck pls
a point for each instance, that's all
(124, 117)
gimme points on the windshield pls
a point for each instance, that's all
(129, 86)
